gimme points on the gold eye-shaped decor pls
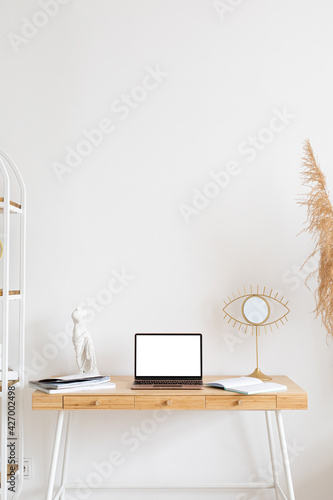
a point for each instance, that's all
(1, 249)
(254, 310)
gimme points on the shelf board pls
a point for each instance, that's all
(13, 294)
(10, 469)
(10, 382)
(15, 208)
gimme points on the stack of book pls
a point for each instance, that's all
(72, 383)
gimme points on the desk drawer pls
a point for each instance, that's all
(240, 402)
(108, 402)
(170, 402)
(42, 401)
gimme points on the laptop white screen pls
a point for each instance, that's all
(168, 355)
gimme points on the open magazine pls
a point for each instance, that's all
(246, 385)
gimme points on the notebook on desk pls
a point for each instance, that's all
(168, 361)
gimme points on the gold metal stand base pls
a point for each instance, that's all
(259, 374)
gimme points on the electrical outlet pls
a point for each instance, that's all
(27, 468)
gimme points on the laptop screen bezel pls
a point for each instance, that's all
(150, 377)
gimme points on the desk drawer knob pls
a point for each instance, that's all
(240, 402)
(98, 402)
(169, 402)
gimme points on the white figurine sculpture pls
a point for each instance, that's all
(83, 344)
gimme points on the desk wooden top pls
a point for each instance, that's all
(209, 398)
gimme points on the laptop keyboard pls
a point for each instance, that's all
(168, 382)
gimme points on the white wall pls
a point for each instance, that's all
(225, 78)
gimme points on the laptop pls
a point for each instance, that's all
(168, 361)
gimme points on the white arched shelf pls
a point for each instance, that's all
(12, 332)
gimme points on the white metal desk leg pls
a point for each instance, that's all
(66, 454)
(55, 454)
(284, 452)
(272, 451)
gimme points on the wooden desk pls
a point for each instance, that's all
(123, 398)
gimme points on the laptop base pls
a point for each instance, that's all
(191, 387)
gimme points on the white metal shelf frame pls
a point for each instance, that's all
(7, 165)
